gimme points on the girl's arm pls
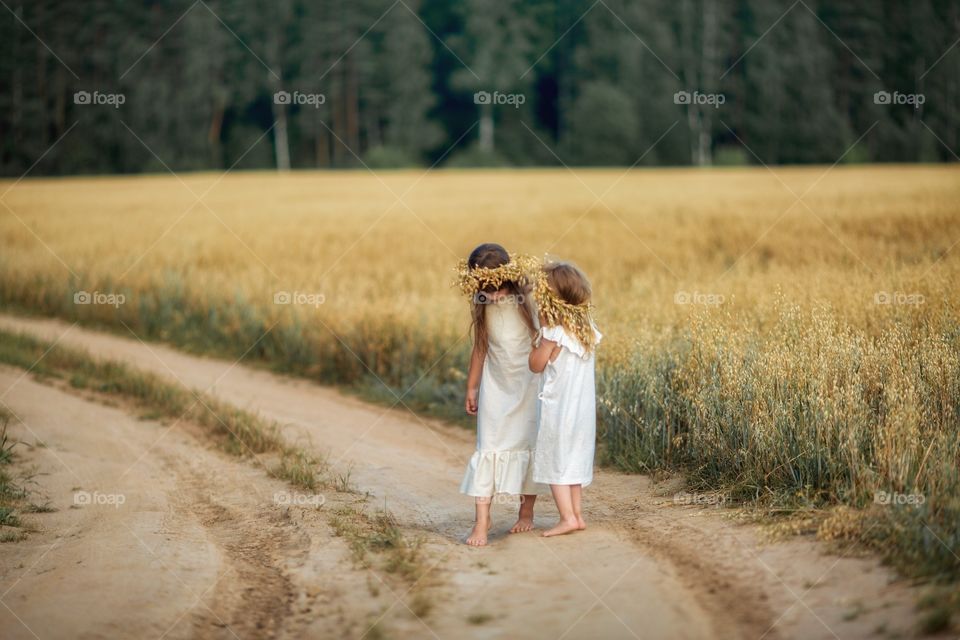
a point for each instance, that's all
(543, 353)
(473, 380)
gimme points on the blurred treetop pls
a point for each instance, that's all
(107, 86)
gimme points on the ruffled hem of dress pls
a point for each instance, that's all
(559, 335)
(492, 472)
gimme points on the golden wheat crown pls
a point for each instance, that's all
(527, 270)
(554, 311)
(521, 269)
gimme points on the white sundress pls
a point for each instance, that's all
(506, 411)
(567, 433)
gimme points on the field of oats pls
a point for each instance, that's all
(788, 336)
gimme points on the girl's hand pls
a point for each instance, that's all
(545, 352)
(473, 380)
(471, 402)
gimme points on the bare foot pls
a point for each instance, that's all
(525, 516)
(523, 523)
(581, 523)
(564, 526)
(478, 535)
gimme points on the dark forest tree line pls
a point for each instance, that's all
(129, 86)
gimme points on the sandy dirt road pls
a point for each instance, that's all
(178, 541)
(644, 569)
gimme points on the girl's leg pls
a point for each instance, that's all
(568, 520)
(576, 493)
(478, 537)
(525, 517)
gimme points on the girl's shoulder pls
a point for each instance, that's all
(560, 335)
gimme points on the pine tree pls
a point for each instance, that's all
(496, 47)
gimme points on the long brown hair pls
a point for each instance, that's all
(491, 255)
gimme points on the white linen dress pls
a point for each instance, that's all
(506, 409)
(566, 438)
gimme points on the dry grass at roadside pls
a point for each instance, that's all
(373, 535)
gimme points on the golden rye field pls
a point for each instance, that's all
(789, 335)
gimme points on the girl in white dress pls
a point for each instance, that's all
(567, 417)
(501, 389)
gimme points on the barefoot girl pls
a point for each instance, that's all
(567, 420)
(501, 390)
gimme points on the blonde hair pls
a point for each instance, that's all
(569, 282)
(564, 294)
